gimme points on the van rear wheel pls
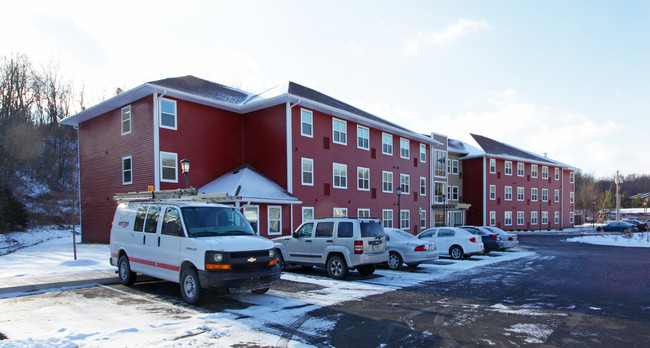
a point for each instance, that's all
(190, 286)
(127, 277)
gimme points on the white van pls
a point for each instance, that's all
(199, 245)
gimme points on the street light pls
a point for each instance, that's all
(399, 207)
(185, 168)
(593, 216)
(539, 218)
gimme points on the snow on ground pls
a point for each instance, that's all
(641, 240)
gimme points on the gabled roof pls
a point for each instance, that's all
(248, 183)
(495, 148)
(209, 93)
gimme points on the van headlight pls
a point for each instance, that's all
(272, 253)
(217, 257)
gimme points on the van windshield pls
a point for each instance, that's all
(215, 221)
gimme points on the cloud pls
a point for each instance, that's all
(447, 36)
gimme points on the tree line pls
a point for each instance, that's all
(597, 194)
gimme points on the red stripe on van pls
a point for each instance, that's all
(144, 262)
(169, 267)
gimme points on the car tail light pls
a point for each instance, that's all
(473, 239)
(420, 248)
(494, 236)
(358, 247)
(510, 238)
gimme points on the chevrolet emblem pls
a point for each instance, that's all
(252, 259)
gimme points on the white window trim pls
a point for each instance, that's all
(268, 220)
(505, 193)
(571, 194)
(408, 182)
(534, 218)
(390, 136)
(535, 197)
(523, 218)
(454, 167)
(493, 191)
(423, 218)
(521, 190)
(310, 123)
(423, 188)
(505, 218)
(557, 174)
(505, 167)
(556, 217)
(408, 148)
(557, 195)
(361, 210)
(384, 181)
(343, 210)
(257, 209)
(304, 209)
(359, 169)
(444, 193)
(302, 171)
(423, 153)
(534, 173)
(345, 123)
(545, 191)
(572, 177)
(408, 219)
(128, 107)
(437, 163)
(360, 127)
(544, 172)
(162, 154)
(455, 193)
(493, 218)
(544, 219)
(384, 220)
(334, 165)
(160, 101)
(493, 168)
(523, 170)
(130, 158)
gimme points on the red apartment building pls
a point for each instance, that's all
(291, 153)
(515, 190)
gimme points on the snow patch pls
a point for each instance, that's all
(641, 240)
(537, 333)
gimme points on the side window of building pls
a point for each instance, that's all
(508, 167)
(454, 167)
(405, 183)
(493, 166)
(339, 131)
(423, 153)
(126, 120)
(127, 170)
(275, 219)
(387, 181)
(404, 145)
(363, 179)
(387, 216)
(306, 123)
(363, 137)
(167, 113)
(172, 223)
(345, 230)
(386, 144)
(340, 173)
(307, 213)
(423, 186)
(139, 219)
(520, 169)
(324, 229)
(151, 221)
(533, 170)
(307, 165)
(168, 167)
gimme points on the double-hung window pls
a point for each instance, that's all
(127, 170)
(544, 218)
(544, 172)
(387, 181)
(167, 113)
(533, 194)
(557, 217)
(386, 144)
(440, 164)
(454, 167)
(520, 169)
(306, 123)
(340, 175)
(533, 218)
(557, 173)
(454, 193)
(493, 192)
(493, 166)
(168, 167)
(363, 213)
(520, 193)
(339, 131)
(508, 168)
(126, 120)
(363, 137)
(404, 219)
(507, 219)
(572, 177)
(544, 195)
(275, 220)
(493, 218)
(387, 216)
(508, 193)
(405, 183)
(533, 170)
(307, 171)
(520, 218)
(557, 195)
(363, 179)
(423, 186)
(404, 148)
(423, 153)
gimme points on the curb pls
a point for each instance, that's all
(31, 284)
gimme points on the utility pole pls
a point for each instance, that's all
(618, 197)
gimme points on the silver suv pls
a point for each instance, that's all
(338, 244)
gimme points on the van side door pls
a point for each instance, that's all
(170, 238)
(150, 241)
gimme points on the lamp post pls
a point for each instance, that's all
(185, 168)
(540, 216)
(593, 216)
(399, 207)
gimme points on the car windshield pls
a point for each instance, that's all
(215, 221)
(371, 229)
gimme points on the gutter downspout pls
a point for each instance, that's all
(289, 137)
(485, 193)
(156, 138)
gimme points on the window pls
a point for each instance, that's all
(544, 195)
(404, 148)
(423, 218)
(404, 219)
(151, 222)
(544, 172)
(448, 193)
(493, 218)
(493, 192)
(363, 137)
(544, 218)
(439, 192)
(557, 173)
(507, 218)
(339, 131)
(305, 230)
(139, 219)
(448, 166)
(386, 144)
(307, 213)
(387, 182)
(508, 193)
(340, 212)
(571, 195)
(168, 169)
(520, 169)
(508, 167)
(405, 183)
(363, 213)
(520, 218)
(324, 230)
(307, 123)
(533, 218)
(127, 170)
(345, 230)
(423, 186)
(557, 217)
(167, 113)
(340, 175)
(533, 194)
(557, 195)
(570, 217)
(423, 153)
(275, 220)
(533, 170)
(493, 165)
(520, 194)
(252, 215)
(454, 193)
(454, 167)
(126, 120)
(387, 216)
(363, 179)
(172, 215)
(441, 161)
(572, 177)
(307, 171)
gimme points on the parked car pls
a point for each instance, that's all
(642, 226)
(454, 241)
(617, 226)
(337, 244)
(510, 240)
(491, 240)
(405, 248)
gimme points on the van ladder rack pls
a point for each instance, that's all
(190, 194)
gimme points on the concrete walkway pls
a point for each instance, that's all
(34, 283)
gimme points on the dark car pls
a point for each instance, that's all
(491, 241)
(617, 226)
(642, 226)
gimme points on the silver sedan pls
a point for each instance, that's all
(405, 248)
(509, 239)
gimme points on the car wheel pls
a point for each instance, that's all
(260, 291)
(190, 286)
(456, 252)
(366, 270)
(281, 260)
(127, 277)
(395, 261)
(336, 267)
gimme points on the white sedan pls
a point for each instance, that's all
(453, 240)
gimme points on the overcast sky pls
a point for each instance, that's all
(568, 78)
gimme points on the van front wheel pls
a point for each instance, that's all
(127, 277)
(190, 286)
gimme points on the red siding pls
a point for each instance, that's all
(265, 142)
(473, 190)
